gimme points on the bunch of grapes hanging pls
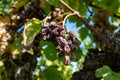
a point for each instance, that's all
(65, 42)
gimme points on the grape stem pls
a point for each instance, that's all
(108, 44)
(67, 17)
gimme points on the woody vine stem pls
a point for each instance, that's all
(108, 44)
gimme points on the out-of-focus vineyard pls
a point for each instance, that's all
(59, 39)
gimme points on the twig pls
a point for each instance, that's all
(87, 24)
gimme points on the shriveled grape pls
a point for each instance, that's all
(56, 33)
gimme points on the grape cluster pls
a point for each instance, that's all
(66, 43)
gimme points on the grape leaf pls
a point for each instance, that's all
(16, 45)
(83, 33)
(49, 50)
(46, 6)
(78, 53)
(52, 73)
(110, 5)
(74, 4)
(56, 3)
(32, 28)
(107, 74)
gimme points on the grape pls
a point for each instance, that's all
(66, 60)
(72, 34)
(69, 41)
(61, 54)
(45, 25)
(72, 56)
(67, 49)
(56, 32)
(62, 33)
(76, 41)
(62, 40)
(53, 24)
(59, 48)
(73, 47)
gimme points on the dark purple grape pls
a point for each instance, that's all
(69, 41)
(56, 32)
(73, 47)
(66, 60)
(62, 33)
(53, 24)
(61, 40)
(57, 9)
(67, 49)
(45, 25)
(72, 34)
(61, 54)
(72, 56)
(59, 48)
(76, 41)
(61, 28)
(48, 37)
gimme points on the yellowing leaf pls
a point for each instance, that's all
(1, 63)
(32, 28)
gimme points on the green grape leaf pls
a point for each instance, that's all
(75, 19)
(2, 12)
(74, 4)
(49, 50)
(1, 69)
(56, 3)
(52, 73)
(107, 74)
(83, 33)
(46, 6)
(16, 45)
(110, 5)
(103, 71)
(79, 6)
(82, 9)
(78, 53)
(20, 3)
(32, 28)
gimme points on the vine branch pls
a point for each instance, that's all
(87, 24)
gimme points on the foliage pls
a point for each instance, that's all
(107, 74)
(32, 28)
(24, 53)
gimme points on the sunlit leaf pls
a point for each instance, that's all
(107, 74)
(32, 28)
(16, 45)
(103, 71)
